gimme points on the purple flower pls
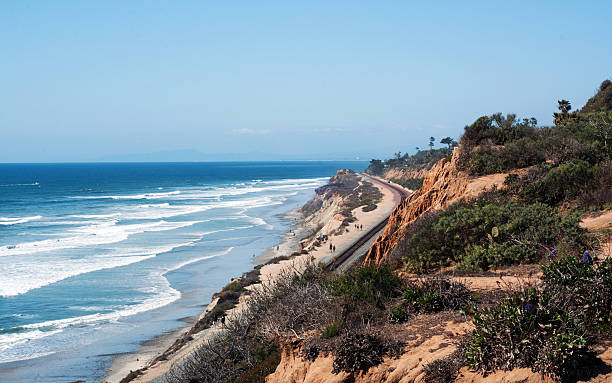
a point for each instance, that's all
(586, 258)
(553, 254)
(530, 308)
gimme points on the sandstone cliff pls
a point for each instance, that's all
(443, 185)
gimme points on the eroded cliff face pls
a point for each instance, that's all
(443, 185)
(408, 368)
(325, 212)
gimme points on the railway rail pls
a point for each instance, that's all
(345, 255)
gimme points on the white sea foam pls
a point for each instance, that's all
(94, 216)
(6, 221)
(31, 270)
(90, 235)
(131, 196)
(22, 276)
(189, 262)
(10, 340)
(236, 191)
(162, 295)
(30, 184)
(164, 210)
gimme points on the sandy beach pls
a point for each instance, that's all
(302, 227)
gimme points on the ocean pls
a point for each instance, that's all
(97, 258)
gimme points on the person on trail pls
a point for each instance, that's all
(223, 321)
(334, 249)
(361, 227)
(330, 247)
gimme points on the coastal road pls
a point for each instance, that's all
(358, 249)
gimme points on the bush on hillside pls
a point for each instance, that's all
(598, 194)
(576, 182)
(422, 159)
(548, 328)
(434, 294)
(521, 153)
(553, 185)
(602, 100)
(370, 284)
(409, 183)
(582, 291)
(494, 144)
(487, 234)
(357, 352)
(496, 130)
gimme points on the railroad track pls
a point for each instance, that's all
(345, 255)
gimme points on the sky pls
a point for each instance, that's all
(105, 80)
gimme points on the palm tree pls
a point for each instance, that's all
(563, 117)
(564, 106)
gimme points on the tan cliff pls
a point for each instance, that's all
(444, 184)
(408, 368)
(323, 213)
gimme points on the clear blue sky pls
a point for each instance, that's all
(81, 80)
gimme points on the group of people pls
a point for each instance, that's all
(332, 247)
(358, 226)
(222, 320)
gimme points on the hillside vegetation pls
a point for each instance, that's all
(411, 317)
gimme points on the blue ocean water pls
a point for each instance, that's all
(97, 258)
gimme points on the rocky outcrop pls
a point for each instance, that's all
(331, 209)
(444, 184)
(325, 212)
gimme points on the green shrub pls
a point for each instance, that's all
(258, 373)
(548, 328)
(435, 294)
(422, 159)
(517, 154)
(581, 290)
(357, 352)
(409, 183)
(398, 314)
(462, 235)
(522, 331)
(331, 330)
(558, 184)
(372, 284)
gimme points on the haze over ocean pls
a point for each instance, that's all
(89, 251)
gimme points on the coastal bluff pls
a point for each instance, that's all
(443, 185)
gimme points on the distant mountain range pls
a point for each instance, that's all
(192, 155)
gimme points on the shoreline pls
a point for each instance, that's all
(155, 357)
(124, 364)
